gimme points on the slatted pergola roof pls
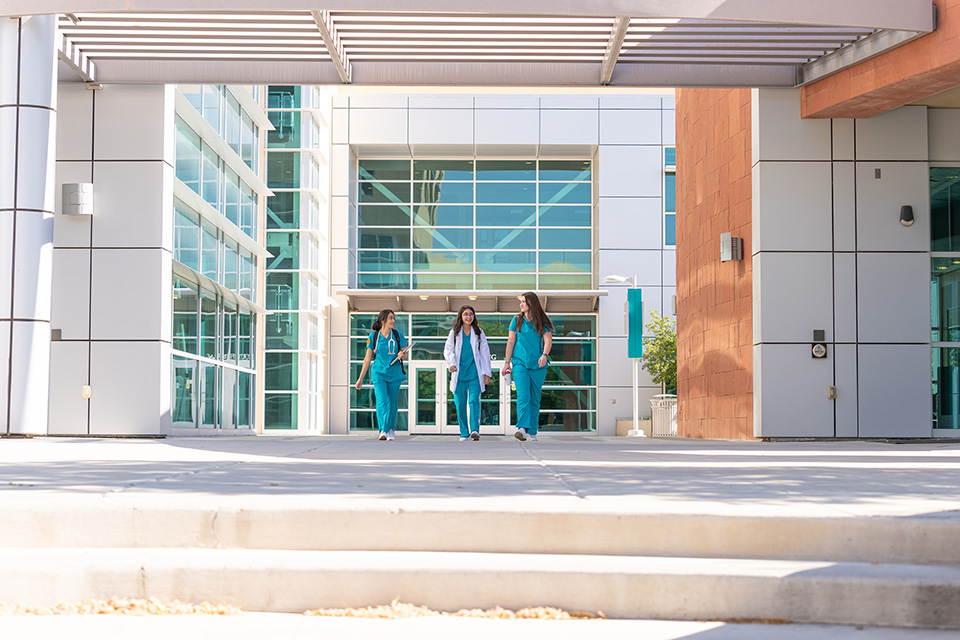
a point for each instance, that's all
(457, 42)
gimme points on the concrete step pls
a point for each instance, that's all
(912, 540)
(896, 595)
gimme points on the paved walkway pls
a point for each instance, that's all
(633, 475)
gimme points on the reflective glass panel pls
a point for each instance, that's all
(565, 281)
(384, 261)
(383, 238)
(443, 170)
(443, 261)
(565, 193)
(384, 215)
(558, 216)
(384, 169)
(283, 210)
(670, 192)
(280, 411)
(286, 132)
(184, 393)
(385, 192)
(283, 292)
(186, 243)
(506, 281)
(506, 170)
(245, 338)
(209, 409)
(443, 192)
(442, 238)
(565, 170)
(280, 370)
(506, 239)
(945, 208)
(506, 216)
(188, 156)
(506, 261)
(231, 195)
(431, 215)
(670, 156)
(383, 280)
(442, 281)
(208, 325)
(426, 391)
(282, 331)
(564, 239)
(185, 308)
(507, 192)
(283, 169)
(285, 248)
(670, 229)
(244, 400)
(565, 261)
(211, 176)
(283, 97)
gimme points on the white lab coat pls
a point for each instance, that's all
(481, 357)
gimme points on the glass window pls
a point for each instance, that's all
(506, 170)
(282, 331)
(443, 170)
(443, 261)
(945, 208)
(231, 195)
(384, 169)
(565, 193)
(565, 281)
(506, 216)
(283, 291)
(186, 236)
(244, 400)
(231, 266)
(280, 370)
(564, 239)
(442, 281)
(384, 261)
(554, 216)
(193, 93)
(248, 141)
(565, 170)
(670, 192)
(507, 192)
(443, 192)
(184, 409)
(185, 313)
(383, 280)
(670, 156)
(565, 261)
(286, 132)
(232, 123)
(283, 97)
(245, 338)
(283, 169)
(506, 261)
(670, 229)
(507, 281)
(208, 324)
(507, 238)
(385, 192)
(248, 210)
(443, 215)
(247, 276)
(188, 156)
(285, 247)
(283, 210)
(228, 351)
(280, 411)
(440, 238)
(212, 95)
(383, 238)
(209, 250)
(211, 176)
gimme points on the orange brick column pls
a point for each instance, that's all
(714, 300)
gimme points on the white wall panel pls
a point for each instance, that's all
(71, 293)
(630, 126)
(630, 223)
(568, 126)
(4, 357)
(6, 265)
(943, 137)
(30, 377)
(119, 116)
(130, 383)
(71, 231)
(378, 126)
(507, 102)
(569, 102)
(340, 160)
(669, 127)
(611, 322)
(446, 101)
(8, 156)
(843, 139)
(645, 264)
(630, 102)
(36, 155)
(895, 391)
(339, 267)
(33, 265)
(379, 101)
(128, 296)
(879, 202)
(630, 171)
(38, 56)
(845, 297)
(441, 126)
(796, 296)
(340, 126)
(780, 134)
(129, 204)
(900, 134)
(893, 297)
(844, 207)
(74, 122)
(783, 221)
(794, 399)
(9, 45)
(503, 126)
(339, 403)
(340, 357)
(68, 374)
(845, 357)
(609, 412)
(615, 369)
(669, 268)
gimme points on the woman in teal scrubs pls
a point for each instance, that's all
(528, 347)
(468, 357)
(386, 347)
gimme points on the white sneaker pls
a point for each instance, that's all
(390, 434)
(463, 439)
(532, 436)
(383, 436)
(520, 434)
(474, 436)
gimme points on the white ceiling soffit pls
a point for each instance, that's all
(560, 43)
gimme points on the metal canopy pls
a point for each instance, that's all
(560, 43)
(484, 301)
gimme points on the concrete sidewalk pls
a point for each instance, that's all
(624, 475)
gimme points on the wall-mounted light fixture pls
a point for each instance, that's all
(77, 199)
(424, 297)
(730, 248)
(906, 215)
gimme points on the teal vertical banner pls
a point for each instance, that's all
(634, 323)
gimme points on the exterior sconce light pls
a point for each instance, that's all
(730, 248)
(471, 297)
(906, 215)
(77, 199)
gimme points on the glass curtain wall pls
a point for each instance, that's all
(945, 295)
(475, 224)
(296, 239)
(670, 196)
(569, 401)
(214, 333)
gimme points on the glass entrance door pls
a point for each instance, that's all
(433, 410)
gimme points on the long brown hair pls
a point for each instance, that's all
(540, 320)
(458, 323)
(382, 318)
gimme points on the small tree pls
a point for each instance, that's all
(660, 351)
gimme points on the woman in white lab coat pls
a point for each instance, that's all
(468, 357)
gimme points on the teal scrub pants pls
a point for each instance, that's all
(467, 394)
(386, 394)
(529, 383)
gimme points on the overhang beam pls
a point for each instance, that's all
(71, 56)
(612, 54)
(855, 53)
(331, 39)
(908, 15)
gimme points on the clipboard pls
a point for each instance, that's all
(399, 353)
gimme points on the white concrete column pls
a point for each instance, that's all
(28, 95)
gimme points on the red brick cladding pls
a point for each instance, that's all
(918, 69)
(714, 300)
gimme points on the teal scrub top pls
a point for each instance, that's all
(468, 365)
(387, 349)
(529, 346)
